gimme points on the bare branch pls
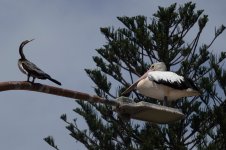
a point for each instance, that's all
(37, 87)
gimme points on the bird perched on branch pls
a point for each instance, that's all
(164, 85)
(30, 69)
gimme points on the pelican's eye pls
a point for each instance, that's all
(152, 67)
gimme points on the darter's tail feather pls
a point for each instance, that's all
(55, 81)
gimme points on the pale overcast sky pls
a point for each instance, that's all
(66, 35)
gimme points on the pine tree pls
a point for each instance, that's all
(127, 54)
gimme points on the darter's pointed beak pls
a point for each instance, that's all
(31, 40)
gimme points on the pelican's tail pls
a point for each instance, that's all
(192, 92)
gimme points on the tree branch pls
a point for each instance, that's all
(37, 87)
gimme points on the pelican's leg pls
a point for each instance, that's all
(165, 102)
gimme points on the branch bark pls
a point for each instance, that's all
(37, 87)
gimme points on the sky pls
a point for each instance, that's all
(66, 34)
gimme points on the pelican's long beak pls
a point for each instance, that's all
(135, 84)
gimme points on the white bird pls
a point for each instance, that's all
(163, 85)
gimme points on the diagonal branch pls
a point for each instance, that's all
(37, 87)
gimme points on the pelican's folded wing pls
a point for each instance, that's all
(171, 79)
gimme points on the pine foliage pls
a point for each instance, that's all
(172, 35)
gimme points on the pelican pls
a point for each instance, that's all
(30, 69)
(163, 85)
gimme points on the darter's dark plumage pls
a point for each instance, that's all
(30, 69)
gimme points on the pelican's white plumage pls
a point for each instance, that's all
(165, 75)
(163, 85)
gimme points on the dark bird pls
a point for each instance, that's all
(30, 69)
